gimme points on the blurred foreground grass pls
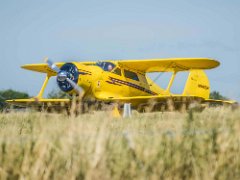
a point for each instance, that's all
(166, 145)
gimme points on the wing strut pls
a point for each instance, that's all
(171, 81)
(40, 94)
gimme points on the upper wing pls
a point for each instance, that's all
(146, 65)
(43, 67)
(170, 64)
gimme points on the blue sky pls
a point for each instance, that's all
(97, 30)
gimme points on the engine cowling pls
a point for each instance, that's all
(68, 70)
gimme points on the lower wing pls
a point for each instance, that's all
(221, 102)
(35, 102)
(175, 100)
(163, 99)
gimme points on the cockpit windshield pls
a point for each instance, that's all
(106, 66)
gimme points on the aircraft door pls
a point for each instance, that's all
(133, 81)
(117, 81)
(111, 82)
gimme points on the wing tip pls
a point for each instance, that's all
(216, 63)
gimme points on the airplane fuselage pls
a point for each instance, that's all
(109, 80)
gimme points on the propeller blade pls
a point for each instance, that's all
(52, 65)
(74, 85)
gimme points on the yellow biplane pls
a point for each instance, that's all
(124, 81)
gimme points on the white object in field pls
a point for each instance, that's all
(127, 111)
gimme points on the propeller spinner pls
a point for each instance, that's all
(67, 76)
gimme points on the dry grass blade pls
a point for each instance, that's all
(169, 145)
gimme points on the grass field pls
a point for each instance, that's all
(168, 145)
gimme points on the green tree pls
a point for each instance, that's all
(11, 94)
(2, 102)
(217, 95)
(57, 94)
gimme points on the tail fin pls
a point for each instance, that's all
(197, 84)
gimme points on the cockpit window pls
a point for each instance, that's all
(117, 71)
(131, 75)
(106, 66)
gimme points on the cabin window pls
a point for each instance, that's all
(106, 66)
(117, 71)
(131, 75)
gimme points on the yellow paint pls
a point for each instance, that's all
(169, 64)
(103, 85)
(197, 84)
(36, 101)
(171, 81)
(40, 94)
(115, 112)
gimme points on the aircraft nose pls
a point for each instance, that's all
(62, 76)
(68, 72)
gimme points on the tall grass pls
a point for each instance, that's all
(166, 145)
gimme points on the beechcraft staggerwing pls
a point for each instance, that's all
(124, 81)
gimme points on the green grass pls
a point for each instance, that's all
(166, 145)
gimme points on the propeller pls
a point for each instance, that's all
(67, 76)
(52, 65)
(74, 85)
